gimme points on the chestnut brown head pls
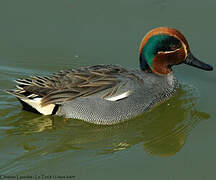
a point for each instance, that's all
(164, 47)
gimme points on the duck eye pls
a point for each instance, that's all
(165, 43)
(173, 47)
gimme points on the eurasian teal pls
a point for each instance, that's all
(110, 94)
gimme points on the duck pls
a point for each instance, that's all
(110, 94)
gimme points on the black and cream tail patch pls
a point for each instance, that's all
(36, 104)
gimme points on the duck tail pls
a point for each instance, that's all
(31, 102)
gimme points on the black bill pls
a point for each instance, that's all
(192, 61)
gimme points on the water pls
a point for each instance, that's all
(175, 140)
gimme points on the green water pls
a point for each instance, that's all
(174, 141)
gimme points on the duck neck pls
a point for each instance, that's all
(171, 79)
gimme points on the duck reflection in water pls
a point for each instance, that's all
(161, 131)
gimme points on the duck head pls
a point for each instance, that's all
(164, 47)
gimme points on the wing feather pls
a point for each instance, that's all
(70, 84)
